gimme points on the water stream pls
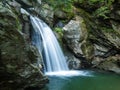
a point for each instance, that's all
(47, 44)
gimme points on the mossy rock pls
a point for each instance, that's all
(87, 49)
(18, 70)
(8, 19)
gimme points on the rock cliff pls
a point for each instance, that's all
(19, 67)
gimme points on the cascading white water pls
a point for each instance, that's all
(46, 42)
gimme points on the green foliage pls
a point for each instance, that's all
(107, 30)
(95, 1)
(59, 31)
(110, 31)
(102, 12)
(104, 9)
(65, 5)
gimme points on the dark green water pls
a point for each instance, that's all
(90, 81)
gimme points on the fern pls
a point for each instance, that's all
(102, 12)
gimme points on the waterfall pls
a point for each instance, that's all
(47, 44)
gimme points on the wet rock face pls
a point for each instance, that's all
(109, 64)
(18, 59)
(38, 8)
(74, 34)
(73, 62)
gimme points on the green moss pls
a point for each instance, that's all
(59, 31)
(104, 9)
(99, 8)
(62, 5)
(9, 18)
(107, 30)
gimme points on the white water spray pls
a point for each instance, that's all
(46, 42)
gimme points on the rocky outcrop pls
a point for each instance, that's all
(90, 30)
(112, 63)
(72, 35)
(19, 67)
(47, 13)
(75, 35)
(95, 39)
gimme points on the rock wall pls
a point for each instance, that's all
(19, 67)
(101, 48)
(91, 33)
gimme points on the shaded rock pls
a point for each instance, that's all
(87, 49)
(116, 26)
(19, 67)
(60, 24)
(73, 63)
(26, 3)
(88, 5)
(60, 14)
(99, 50)
(115, 12)
(47, 13)
(114, 39)
(108, 64)
(99, 39)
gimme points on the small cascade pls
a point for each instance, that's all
(47, 44)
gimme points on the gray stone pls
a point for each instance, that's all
(108, 64)
(74, 34)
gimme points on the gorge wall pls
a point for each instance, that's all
(19, 67)
(89, 31)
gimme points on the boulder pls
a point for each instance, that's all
(76, 36)
(74, 33)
